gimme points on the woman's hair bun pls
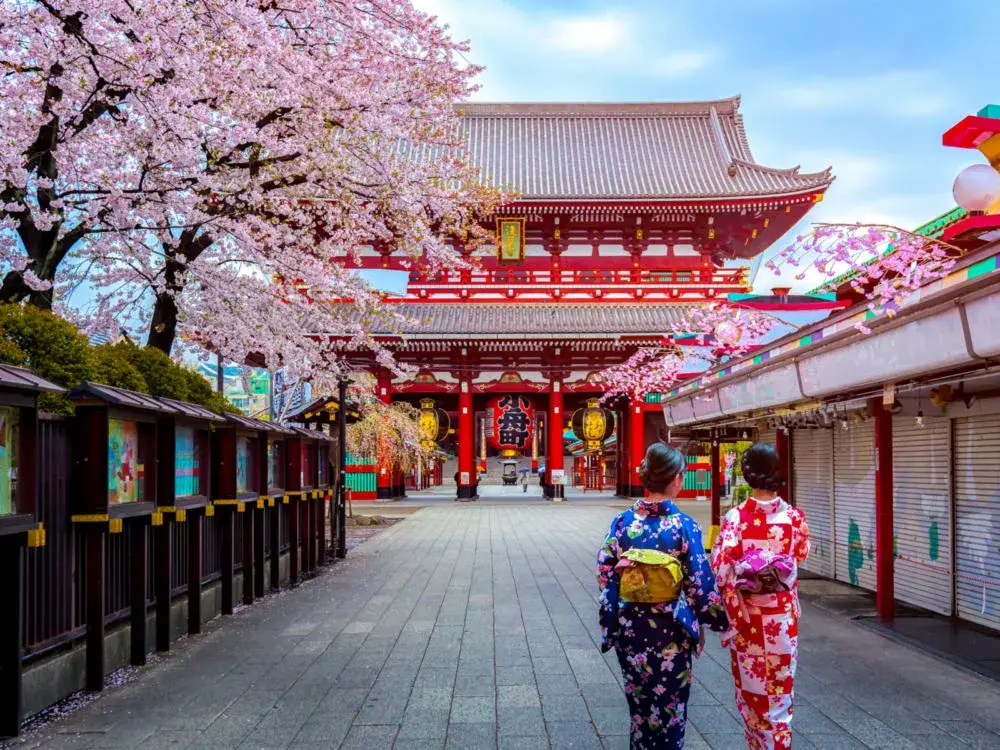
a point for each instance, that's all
(761, 467)
(660, 467)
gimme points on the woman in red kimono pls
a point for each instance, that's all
(756, 557)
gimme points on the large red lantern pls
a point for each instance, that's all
(512, 419)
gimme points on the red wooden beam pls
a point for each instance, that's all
(971, 131)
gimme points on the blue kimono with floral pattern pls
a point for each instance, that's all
(655, 642)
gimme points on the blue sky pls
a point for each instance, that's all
(865, 87)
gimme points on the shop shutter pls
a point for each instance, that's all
(977, 515)
(768, 435)
(854, 501)
(921, 511)
(812, 469)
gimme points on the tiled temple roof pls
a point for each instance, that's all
(526, 319)
(655, 151)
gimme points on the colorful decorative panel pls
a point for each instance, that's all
(510, 240)
(244, 465)
(187, 469)
(273, 464)
(125, 473)
(8, 460)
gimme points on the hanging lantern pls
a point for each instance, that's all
(512, 420)
(593, 425)
(728, 333)
(432, 423)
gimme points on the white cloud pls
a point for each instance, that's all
(590, 35)
(901, 93)
(535, 53)
(682, 63)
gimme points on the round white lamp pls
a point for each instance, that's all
(728, 333)
(977, 188)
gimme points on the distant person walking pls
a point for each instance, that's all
(756, 557)
(657, 595)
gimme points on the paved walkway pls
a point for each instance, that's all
(473, 626)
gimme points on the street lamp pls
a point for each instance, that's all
(977, 188)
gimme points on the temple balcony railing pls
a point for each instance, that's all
(708, 282)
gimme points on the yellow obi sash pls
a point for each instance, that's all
(654, 579)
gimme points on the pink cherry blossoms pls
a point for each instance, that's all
(208, 167)
(705, 336)
(887, 263)
(653, 370)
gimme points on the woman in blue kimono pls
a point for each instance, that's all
(657, 594)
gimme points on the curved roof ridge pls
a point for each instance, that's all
(728, 106)
(719, 139)
(786, 171)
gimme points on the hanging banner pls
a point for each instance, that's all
(510, 240)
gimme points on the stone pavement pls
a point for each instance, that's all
(474, 626)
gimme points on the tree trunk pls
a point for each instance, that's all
(163, 324)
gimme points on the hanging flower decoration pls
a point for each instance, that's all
(705, 336)
(888, 264)
(653, 370)
(728, 330)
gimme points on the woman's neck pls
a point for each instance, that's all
(658, 497)
(764, 495)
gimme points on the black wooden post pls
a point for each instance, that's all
(258, 550)
(194, 572)
(249, 559)
(341, 499)
(321, 524)
(224, 520)
(274, 533)
(310, 523)
(12, 552)
(293, 541)
(93, 539)
(138, 559)
(163, 547)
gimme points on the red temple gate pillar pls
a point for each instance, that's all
(884, 564)
(554, 463)
(620, 475)
(637, 446)
(384, 477)
(466, 443)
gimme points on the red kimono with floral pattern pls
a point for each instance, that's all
(763, 635)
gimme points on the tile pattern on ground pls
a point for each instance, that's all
(475, 627)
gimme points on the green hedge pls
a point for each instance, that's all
(56, 350)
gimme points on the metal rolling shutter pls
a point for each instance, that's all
(854, 501)
(768, 435)
(812, 469)
(977, 514)
(921, 510)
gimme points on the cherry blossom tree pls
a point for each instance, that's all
(885, 264)
(389, 433)
(243, 155)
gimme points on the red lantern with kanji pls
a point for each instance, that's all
(512, 422)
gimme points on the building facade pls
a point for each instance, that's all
(625, 216)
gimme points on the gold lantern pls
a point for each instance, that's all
(432, 423)
(593, 425)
